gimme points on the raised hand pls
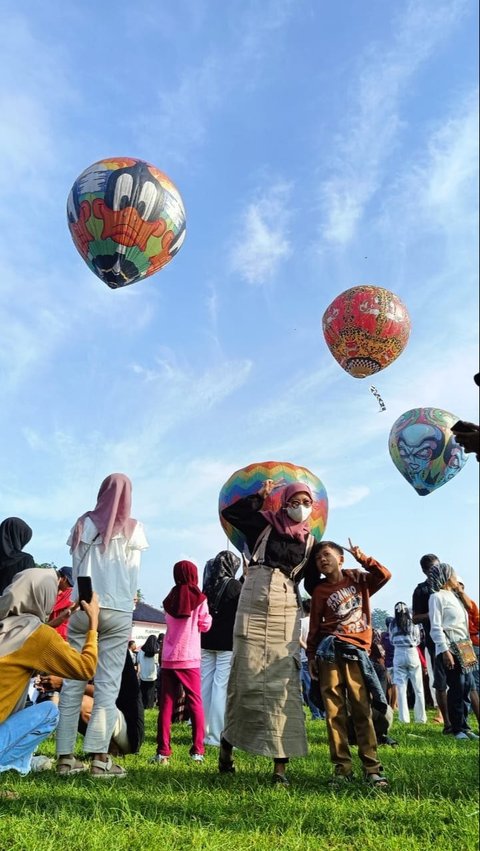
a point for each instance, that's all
(355, 551)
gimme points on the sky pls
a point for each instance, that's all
(316, 146)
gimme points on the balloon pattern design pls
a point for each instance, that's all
(366, 328)
(126, 219)
(248, 480)
(424, 450)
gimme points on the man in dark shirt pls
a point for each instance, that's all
(420, 615)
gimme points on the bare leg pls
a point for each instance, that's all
(441, 696)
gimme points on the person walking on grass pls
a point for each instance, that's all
(222, 591)
(338, 642)
(106, 545)
(405, 637)
(186, 615)
(449, 627)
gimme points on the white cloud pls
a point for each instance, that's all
(376, 114)
(264, 243)
(350, 496)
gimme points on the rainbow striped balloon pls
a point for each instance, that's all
(249, 480)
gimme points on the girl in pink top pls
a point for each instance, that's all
(187, 616)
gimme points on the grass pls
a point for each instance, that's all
(432, 803)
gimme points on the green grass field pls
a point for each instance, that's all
(432, 803)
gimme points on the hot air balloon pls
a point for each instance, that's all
(366, 328)
(424, 449)
(249, 480)
(126, 218)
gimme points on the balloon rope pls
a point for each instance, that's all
(379, 399)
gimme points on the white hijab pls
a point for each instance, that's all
(25, 605)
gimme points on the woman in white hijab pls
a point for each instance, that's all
(28, 644)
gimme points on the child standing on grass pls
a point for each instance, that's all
(338, 642)
(186, 616)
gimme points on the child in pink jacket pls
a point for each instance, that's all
(187, 616)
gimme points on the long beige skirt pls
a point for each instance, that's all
(264, 712)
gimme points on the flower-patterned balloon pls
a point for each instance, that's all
(366, 328)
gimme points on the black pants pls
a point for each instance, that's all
(458, 692)
(147, 688)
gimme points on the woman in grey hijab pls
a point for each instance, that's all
(28, 644)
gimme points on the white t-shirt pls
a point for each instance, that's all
(447, 615)
(114, 573)
(147, 666)
(304, 628)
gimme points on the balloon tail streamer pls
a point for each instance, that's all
(379, 399)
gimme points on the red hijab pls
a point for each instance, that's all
(280, 520)
(111, 514)
(185, 595)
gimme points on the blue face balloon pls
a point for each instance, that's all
(423, 447)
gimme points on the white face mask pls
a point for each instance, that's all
(299, 514)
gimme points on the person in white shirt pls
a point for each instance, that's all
(449, 623)
(147, 670)
(106, 545)
(405, 637)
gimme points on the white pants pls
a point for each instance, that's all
(113, 634)
(215, 672)
(406, 666)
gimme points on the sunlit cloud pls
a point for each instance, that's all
(265, 243)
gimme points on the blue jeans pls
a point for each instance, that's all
(306, 681)
(22, 732)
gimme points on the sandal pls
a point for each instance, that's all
(339, 781)
(67, 765)
(378, 781)
(280, 779)
(106, 769)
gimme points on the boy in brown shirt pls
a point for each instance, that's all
(340, 632)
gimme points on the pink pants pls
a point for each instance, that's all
(191, 682)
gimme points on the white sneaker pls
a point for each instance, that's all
(159, 759)
(461, 736)
(471, 734)
(41, 763)
(197, 757)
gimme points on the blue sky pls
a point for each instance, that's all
(316, 146)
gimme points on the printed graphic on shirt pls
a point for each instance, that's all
(346, 605)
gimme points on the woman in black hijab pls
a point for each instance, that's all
(14, 535)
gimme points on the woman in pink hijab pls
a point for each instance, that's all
(106, 545)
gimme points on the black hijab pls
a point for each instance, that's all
(14, 535)
(218, 572)
(151, 646)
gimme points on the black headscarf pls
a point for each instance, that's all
(218, 572)
(439, 575)
(14, 535)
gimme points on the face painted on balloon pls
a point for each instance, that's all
(132, 208)
(418, 445)
(78, 215)
(454, 459)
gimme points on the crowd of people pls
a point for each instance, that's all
(244, 655)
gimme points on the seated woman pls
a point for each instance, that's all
(27, 644)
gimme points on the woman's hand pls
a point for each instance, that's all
(92, 609)
(448, 660)
(266, 489)
(313, 670)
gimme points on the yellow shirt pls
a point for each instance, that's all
(44, 651)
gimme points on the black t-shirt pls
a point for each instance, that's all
(420, 599)
(282, 551)
(220, 634)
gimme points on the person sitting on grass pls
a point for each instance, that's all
(338, 642)
(27, 644)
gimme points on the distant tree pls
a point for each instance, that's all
(139, 596)
(378, 618)
(47, 564)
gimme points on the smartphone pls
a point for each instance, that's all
(85, 591)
